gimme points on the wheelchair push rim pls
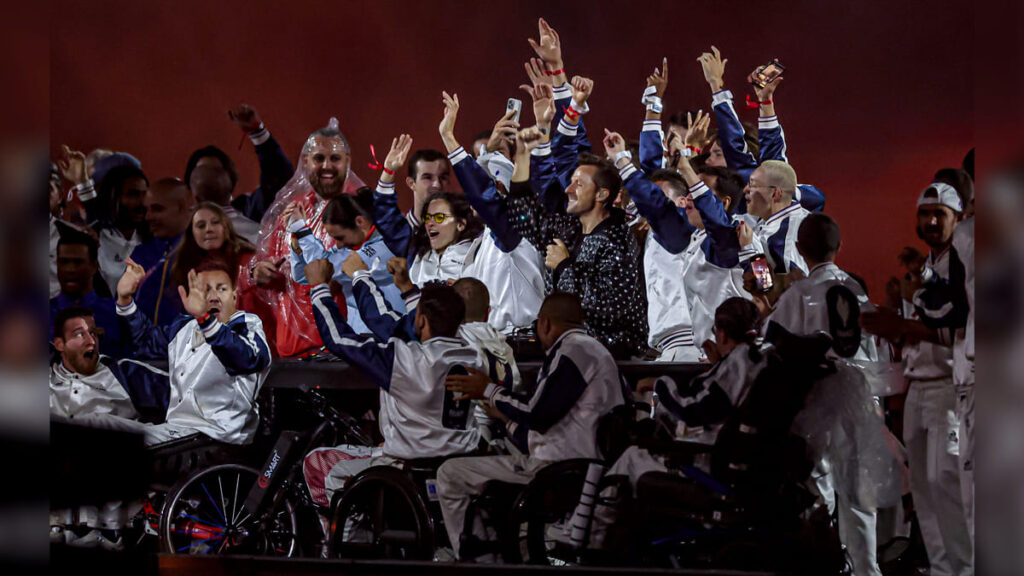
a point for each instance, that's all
(380, 515)
(205, 515)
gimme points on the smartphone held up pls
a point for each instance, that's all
(765, 74)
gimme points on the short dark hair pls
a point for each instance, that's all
(345, 208)
(818, 237)
(71, 237)
(729, 184)
(677, 187)
(562, 308)
(606, 176)
(211, 152)
(66, 314)
(443, 308)
(474, 293)
(739, 319)
(425, 155)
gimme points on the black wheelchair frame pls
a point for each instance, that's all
(271, 511)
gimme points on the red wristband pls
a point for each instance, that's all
(694, 149)
(555, 72)
(572, 114)
(753, 104)
(377, 164)
(204, 318)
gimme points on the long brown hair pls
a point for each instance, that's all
(189, 255)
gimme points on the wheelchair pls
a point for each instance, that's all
(753, 509)
(388, 512)
(256, 507)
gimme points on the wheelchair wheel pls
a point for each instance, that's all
(381, 515)
(205, 515)
(542, 513)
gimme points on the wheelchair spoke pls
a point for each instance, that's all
(212, 501)
(223, 504)
(201, 521)
(234, 514)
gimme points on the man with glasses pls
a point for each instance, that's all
(769, 196)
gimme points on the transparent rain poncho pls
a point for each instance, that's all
(292, 310)
(841, 422)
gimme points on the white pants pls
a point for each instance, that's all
(857, 525)
(931, 432)
(965, 414)
(459, 479)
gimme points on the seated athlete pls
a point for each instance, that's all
(419, 418)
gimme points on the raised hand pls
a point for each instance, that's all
(73, 166)
(245, 117)
(128, 285)
(527, 139)
(659, 79)
(319, 271)
(541, 93)
(549, 46)
(292, 212)
(697, 129)
(581, 89)
(399, 270)
(764, 94)
(451, 112)
(194, 301)
(399, 152)
(353, 264)
(614, 143)
(714, 68)
(504, 130)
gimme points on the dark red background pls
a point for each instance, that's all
(877, 96)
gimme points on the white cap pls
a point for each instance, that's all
(943, 194)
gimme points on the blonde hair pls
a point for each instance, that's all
(778, 173)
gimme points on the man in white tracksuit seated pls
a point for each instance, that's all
(578, 383)
(490, 344)
(418, 417)
(831, 301)
(218, 357)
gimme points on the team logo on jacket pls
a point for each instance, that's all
(456, 413)
(843, 320)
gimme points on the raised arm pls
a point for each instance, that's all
(672, 229)
(375, 358)
(149, 341)
(74, 170)
(275, 167)
(652, 137)
(373, 306)
(730, 130)
(240, 345)
(392, 225)
(480, 190)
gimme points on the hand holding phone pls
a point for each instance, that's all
(762, 273)
(516, 106)
(765, 74)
